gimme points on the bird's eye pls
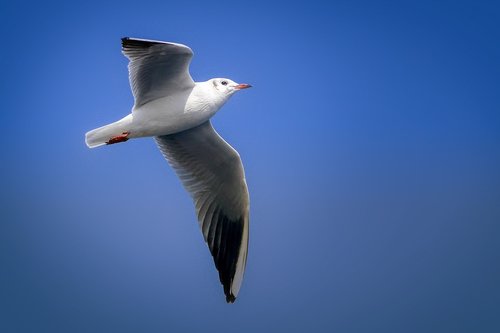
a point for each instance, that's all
(224, 83)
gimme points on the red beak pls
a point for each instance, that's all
(242, 86)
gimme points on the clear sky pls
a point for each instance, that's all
(371, 144)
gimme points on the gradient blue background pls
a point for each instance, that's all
(371, 143)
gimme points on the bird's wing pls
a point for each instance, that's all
(212, 172)
(157, 69)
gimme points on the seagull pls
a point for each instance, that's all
(176, 111)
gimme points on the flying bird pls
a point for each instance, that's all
(176, 111)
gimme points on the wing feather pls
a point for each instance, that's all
(212, 172)
(157, 69)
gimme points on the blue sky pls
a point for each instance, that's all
(370, 142)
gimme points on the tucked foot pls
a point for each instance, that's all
(119, 138)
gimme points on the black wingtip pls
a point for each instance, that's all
(125, 41)
(230, 298)
(130, 42)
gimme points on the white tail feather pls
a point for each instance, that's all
(99, 136)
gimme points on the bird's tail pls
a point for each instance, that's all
(102, 135)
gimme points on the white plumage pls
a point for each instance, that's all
(175, 110)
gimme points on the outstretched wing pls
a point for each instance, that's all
(157, 69)
(212, 172)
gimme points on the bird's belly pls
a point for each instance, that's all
(163, 117)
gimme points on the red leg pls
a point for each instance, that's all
(119, 138)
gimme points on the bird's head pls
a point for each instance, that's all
(227, 86)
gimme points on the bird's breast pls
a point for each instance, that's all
(170, 115)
